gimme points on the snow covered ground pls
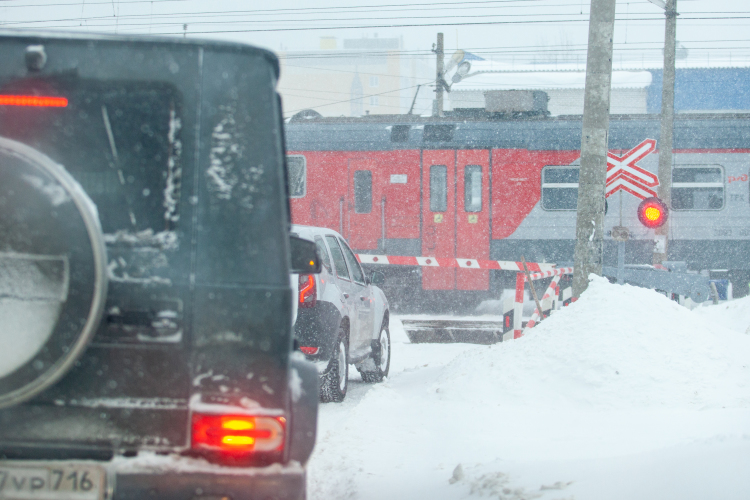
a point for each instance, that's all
(622, 395)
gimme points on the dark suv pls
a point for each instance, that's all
(145, 299)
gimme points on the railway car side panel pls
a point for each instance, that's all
(472, 216)
(321, 188)
(516, 184)
(439, 216)
(363, 203)
(401, 189)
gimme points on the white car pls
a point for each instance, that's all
(342, 316)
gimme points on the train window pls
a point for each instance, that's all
(438, 188)
(363, 191)
(560, 188)
(338, 258)
(400, 133)
(698, 188)
(296, 165)
(438, 133)
(473, 188)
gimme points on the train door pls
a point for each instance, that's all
(363, 224)
(438, 216)
(472, 216)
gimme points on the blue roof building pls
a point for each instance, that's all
(703, 89)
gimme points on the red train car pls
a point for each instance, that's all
(494, 189)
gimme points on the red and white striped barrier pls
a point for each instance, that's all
(551, 296)
(546, 274)
(512, 309)
(502, 265)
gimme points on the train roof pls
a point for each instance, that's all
(700, 131)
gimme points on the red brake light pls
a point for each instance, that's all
(238, 435)
(307, 291)
(33, 100)
(652, 213)
(309, 350)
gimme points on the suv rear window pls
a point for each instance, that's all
(351, 260)
(119, 140)
(323, 253)
(338, 258)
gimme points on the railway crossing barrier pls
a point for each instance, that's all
(481, 331)
(501, 265)
(674, 279)
(550, 301)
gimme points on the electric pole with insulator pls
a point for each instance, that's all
(595, 131)
(666, 137)
(438, 108)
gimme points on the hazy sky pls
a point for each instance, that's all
(503, 29)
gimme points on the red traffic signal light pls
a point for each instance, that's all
(652, 213)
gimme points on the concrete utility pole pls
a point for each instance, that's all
(666, 137)
(593, 172)
(438, 111)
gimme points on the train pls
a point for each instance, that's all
(504, 187)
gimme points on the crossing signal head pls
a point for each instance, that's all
(652, 213)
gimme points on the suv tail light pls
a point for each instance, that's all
(33, 100)
(307, 291)
(238, 436)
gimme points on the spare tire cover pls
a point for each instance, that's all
(53, 276)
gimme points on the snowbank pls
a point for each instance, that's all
(734, 315)
(617, 347)
(624, 394)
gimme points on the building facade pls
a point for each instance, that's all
(354, 77)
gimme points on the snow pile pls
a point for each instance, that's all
(734, 315)
(622, 395)
(617, 347)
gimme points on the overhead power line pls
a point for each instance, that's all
(305, 11)
(68, 4)
(342, 8)
(233, 15)
(286, 21)
(427, 25)
(354, 54)
(343, 71)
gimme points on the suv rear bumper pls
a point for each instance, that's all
(182, 486)
(158, 477)
(190, 479)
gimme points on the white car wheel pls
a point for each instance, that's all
(375, 369)
(343, 375)
(385, 350)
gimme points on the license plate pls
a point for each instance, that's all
(46, 481)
